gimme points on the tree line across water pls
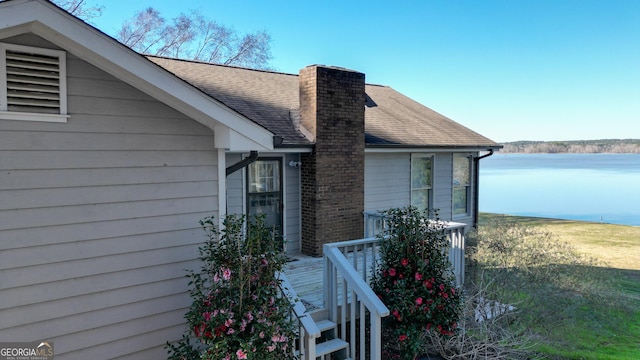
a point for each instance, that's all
(617, 146)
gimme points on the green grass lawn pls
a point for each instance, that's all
(606, 328)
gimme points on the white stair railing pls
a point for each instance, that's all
(308, 330)
(349, 299)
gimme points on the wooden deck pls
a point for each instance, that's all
(306, 276)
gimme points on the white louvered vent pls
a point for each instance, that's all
(33, 82)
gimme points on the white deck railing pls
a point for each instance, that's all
(375, 223)
(349, 299)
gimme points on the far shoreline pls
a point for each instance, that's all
(602, 146)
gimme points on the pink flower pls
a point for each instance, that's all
(418, 276)
(226, 274)
(241, 354)
(403, 337)
(392, 272)
(207, 315)
(419, 301)
(441, 287)
(404, 262)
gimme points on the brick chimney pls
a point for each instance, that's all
(332, 110)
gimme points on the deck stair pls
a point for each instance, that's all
(328, 344)
(318, 334)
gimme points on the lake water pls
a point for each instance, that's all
(589, 187)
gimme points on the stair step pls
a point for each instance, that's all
(330, 346)
(319, 314)
(325, 325)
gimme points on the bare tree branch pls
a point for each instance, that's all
(80, 8)
(195, 37)
(191, 36)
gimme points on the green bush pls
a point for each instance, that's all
(415, 281)
(237, 311)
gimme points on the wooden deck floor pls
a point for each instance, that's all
(305, 274)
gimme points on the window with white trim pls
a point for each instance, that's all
(32, 83)
(461, 184)
(422, 181)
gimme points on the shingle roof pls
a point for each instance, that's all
(271, 100)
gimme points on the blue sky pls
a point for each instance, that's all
(508, 69)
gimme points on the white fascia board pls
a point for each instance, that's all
(226, 138)
(97, 48)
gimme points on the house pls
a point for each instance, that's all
(359, 147)
(108, 158)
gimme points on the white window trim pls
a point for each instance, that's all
(433, 170)
(28, 116)
(245, 193)
(470, 190)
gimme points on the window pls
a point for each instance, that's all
(32, 84)
(421, 181)
(264, 192)
(461, 184)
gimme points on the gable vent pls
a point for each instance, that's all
(33, 82)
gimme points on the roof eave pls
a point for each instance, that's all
(90, 44)
(430, 148)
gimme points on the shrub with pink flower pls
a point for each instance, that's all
(415, 281)
(236, 297)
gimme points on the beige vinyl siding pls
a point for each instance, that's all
(387, 181)
(236, 200)
(98, 221)
(292, 204)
